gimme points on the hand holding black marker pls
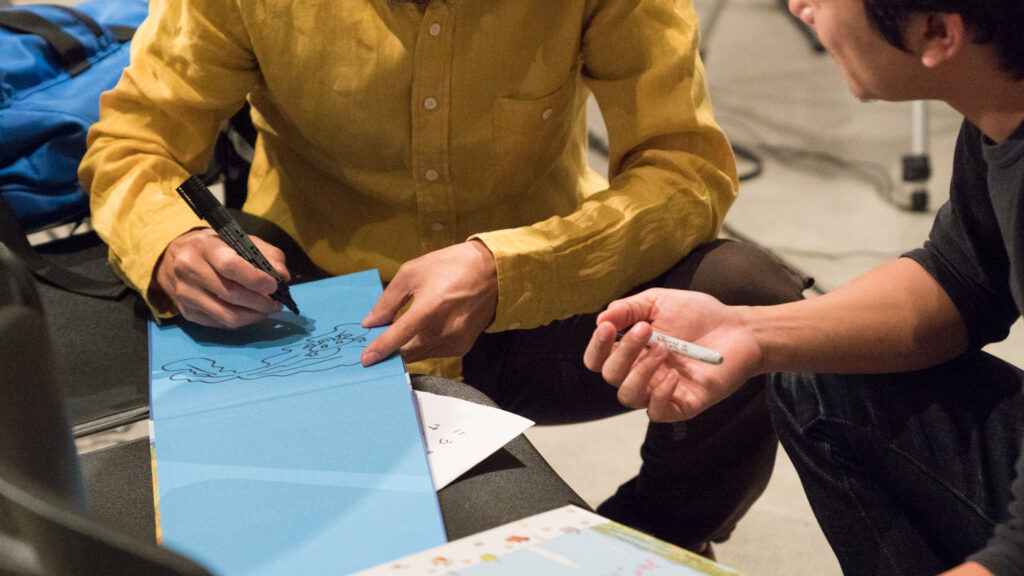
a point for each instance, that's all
(208, 208)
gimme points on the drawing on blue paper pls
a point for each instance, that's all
(338, 347)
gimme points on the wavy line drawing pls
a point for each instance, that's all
(336, 348)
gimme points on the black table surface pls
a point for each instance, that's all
(100, 346)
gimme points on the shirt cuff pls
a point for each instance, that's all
(522, 259)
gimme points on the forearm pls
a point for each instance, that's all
(131, 177)
(894, 318)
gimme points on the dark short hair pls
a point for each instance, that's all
(999, 22)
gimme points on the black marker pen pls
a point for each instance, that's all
(206, 207)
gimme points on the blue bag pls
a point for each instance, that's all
(56, 62)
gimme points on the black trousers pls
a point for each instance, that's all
(698, 479)
(907, 473)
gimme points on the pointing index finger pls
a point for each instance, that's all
(391, 340)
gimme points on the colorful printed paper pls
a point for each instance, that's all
(568, 541)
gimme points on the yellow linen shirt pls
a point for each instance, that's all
(387, 130)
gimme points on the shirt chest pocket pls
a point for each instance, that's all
(530, 135)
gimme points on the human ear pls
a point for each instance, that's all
(942, 38)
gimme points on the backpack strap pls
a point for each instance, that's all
(13, 236)
(71, 53)
(120, 33)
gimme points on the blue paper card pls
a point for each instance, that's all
(276, 452)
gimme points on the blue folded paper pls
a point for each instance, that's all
(276, 452)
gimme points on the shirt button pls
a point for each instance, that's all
(434, 29)
(437, 226)
(430, 103)
(431, 175)
(547, 113)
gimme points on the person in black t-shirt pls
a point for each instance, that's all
(906, 436)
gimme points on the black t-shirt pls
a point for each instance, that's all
(976, 252)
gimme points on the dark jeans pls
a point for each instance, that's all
(697, 479)
(906, 473)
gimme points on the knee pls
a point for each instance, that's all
(738, 273)
(788, 396)
(808, 406)
(798, 418)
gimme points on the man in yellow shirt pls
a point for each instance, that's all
(444, 143)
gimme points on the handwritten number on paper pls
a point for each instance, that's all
(442, 438)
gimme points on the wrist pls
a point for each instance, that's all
(756, 320)
(156, 296)
(488, 272)
(483, 251)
